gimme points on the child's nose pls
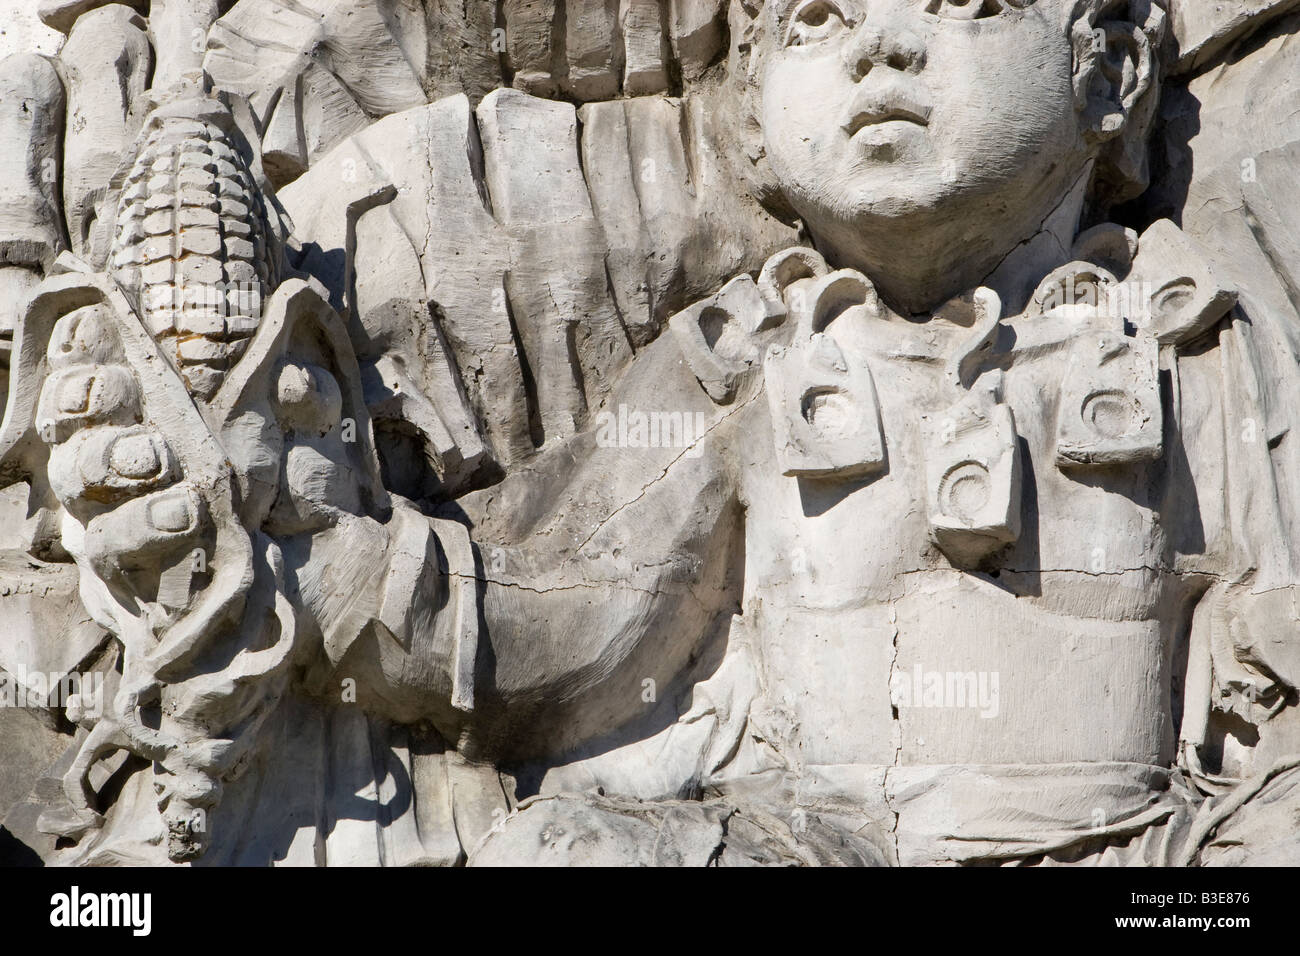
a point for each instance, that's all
(870, 47)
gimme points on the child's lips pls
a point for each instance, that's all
(887, 105)
(863, 120)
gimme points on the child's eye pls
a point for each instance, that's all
(973, 9)
(815, 21)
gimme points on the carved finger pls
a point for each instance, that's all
(83, 395)
(85, 336)
(146, 532)
(108, 465)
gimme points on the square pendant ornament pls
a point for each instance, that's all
(972, 470)
(825, 414)
(1110, 411)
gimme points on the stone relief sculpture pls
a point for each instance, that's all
(651, 432)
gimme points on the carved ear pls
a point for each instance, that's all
(1114, 70)
(1116, 84)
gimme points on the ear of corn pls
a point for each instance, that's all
(193, 247)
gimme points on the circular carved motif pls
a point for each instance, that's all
(964, 490)
(1112, 414)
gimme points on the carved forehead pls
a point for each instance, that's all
(781, 10)
(770, 19)
(778, 12)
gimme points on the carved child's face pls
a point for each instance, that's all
(881, 114)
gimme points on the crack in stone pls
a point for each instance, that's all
(645, 488)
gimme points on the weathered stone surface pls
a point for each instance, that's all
(31, 123)
(108, 60)
(558, 298)
(696, 28)
(1204, 30)
(645, 47)
(653, 433)
(590, 44)
(430, 159)
(464, 52)
(179, 30)
(331, 67)
(529, 44)
(63, 14)
(25, 748)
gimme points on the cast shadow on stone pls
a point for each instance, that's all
(819, 495)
